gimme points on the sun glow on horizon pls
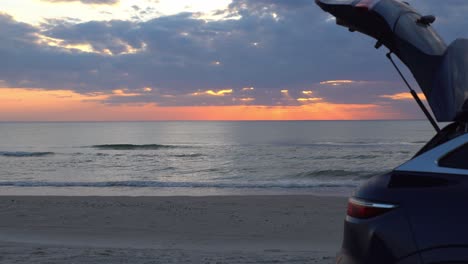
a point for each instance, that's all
(20, 104)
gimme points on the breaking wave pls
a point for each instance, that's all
(134, 147)
(192, 155)
(20, 154)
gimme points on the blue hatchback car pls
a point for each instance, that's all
(417, 213)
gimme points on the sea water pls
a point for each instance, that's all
(202, 158)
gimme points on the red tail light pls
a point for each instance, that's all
(364, 210)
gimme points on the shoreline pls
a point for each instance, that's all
(165, 229)
(172, 191)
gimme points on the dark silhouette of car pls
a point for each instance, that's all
(418, 213)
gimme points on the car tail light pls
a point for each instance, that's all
(364, 210)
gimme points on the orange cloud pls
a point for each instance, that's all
(123, 92)
(337, 82)
(402, 96)
(214, 93)
(247, 99)
(309, 99)
(40, 105)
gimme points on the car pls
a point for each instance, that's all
(418, 212)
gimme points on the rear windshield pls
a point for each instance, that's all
(449, 132)
(457, 159)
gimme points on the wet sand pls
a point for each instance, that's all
(212, 229)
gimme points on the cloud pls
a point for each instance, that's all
(269, 45)
(247, 99)
(403, 96)
(176, 52)
(93, 2)
(213, 93)
(337, 82)
(309, 99)
(124, 93)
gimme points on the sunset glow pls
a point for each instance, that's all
(63, 105)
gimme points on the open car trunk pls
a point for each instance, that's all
(440, 71)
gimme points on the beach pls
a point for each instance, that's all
(188, 192)
(158, 229)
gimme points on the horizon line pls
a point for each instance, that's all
(201, 120)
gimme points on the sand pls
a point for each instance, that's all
(213, 229)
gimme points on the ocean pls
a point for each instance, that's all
(201, 158)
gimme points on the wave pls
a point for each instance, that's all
(338, 173)
(347, 157)
(134, 147)
(158, 184)
(358, 157)
(192, 155)
(362, 143)
(21, 154)
(419, 142)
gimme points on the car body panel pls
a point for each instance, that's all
(449, 254)
(430, 215)
(384, 239)
(439, 218)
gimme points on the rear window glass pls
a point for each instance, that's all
(457, 159)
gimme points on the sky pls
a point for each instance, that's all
(112, 60)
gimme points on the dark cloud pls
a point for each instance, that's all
(94, 2)
(274, 45)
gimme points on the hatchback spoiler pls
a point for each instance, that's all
(440, 70)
